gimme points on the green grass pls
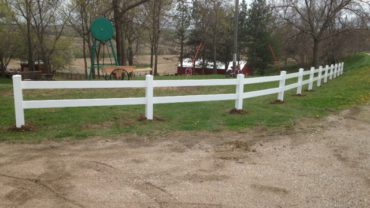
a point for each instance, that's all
(353, 88)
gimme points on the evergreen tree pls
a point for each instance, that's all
(258, 35)
(212, 26)
(182, 19)
(242, 28)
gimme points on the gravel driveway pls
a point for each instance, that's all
(317, 163)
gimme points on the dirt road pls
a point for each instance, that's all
(318, 163)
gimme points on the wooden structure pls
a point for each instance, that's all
(40, 72)
(118, 72)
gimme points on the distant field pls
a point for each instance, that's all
(167, 64)
(352, 88)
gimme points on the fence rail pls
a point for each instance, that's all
(320, 76)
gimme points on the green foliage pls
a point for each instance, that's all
(63, 54)
(212, 26)
(40, 25)
(10, 38)
(4, 12)
(77, 123)
(182, 18)
(258, 35)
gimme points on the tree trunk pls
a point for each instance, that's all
(119, 43)
(152, 55)
(154, 38)
(157, 7)
(130, 53)
(214, 54)
(2, 66)
(315, 55)
(156, 45)
(84, 57)
(124, 46)
(31, 66)
(182, 51)
(137, 46)
(84, 41)
(156, 64)
(118, 27)
(155, 50)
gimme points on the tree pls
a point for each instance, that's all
(9, 38)
(80, 23)
(212, 27)
(215, 17)
(242, 28)
(182, 19)
(138, 26)
(45, 22)
(9, 46)
(21, 11)
(316, 17)
(155, 18)
(84, 13)
(258, 36)
(48, 23)
(120, 8)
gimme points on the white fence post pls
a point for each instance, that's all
(326, 74)
(312, 74)
(300, 81)
(342, 71)
(320, 77)
(331, 72)
(149, 93)
(338, 69)
(335, 71)
(18, 101)
(239, 92)
(282, 86)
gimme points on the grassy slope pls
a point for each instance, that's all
(77, 123)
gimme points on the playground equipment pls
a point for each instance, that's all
(197, 52)
(102, 32)
(276, 60)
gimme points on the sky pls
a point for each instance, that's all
(240, 1)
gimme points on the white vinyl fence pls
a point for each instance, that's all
(320, 75)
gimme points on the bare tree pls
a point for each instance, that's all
(45, 22)
(48, 23)
(84, 12)
(133, 32)
(156, 29)
(9, 38)
(315, 17)
(21, 11)
(9, 46)
(155, 18)
(120, 8)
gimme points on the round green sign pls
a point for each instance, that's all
(102, 29)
